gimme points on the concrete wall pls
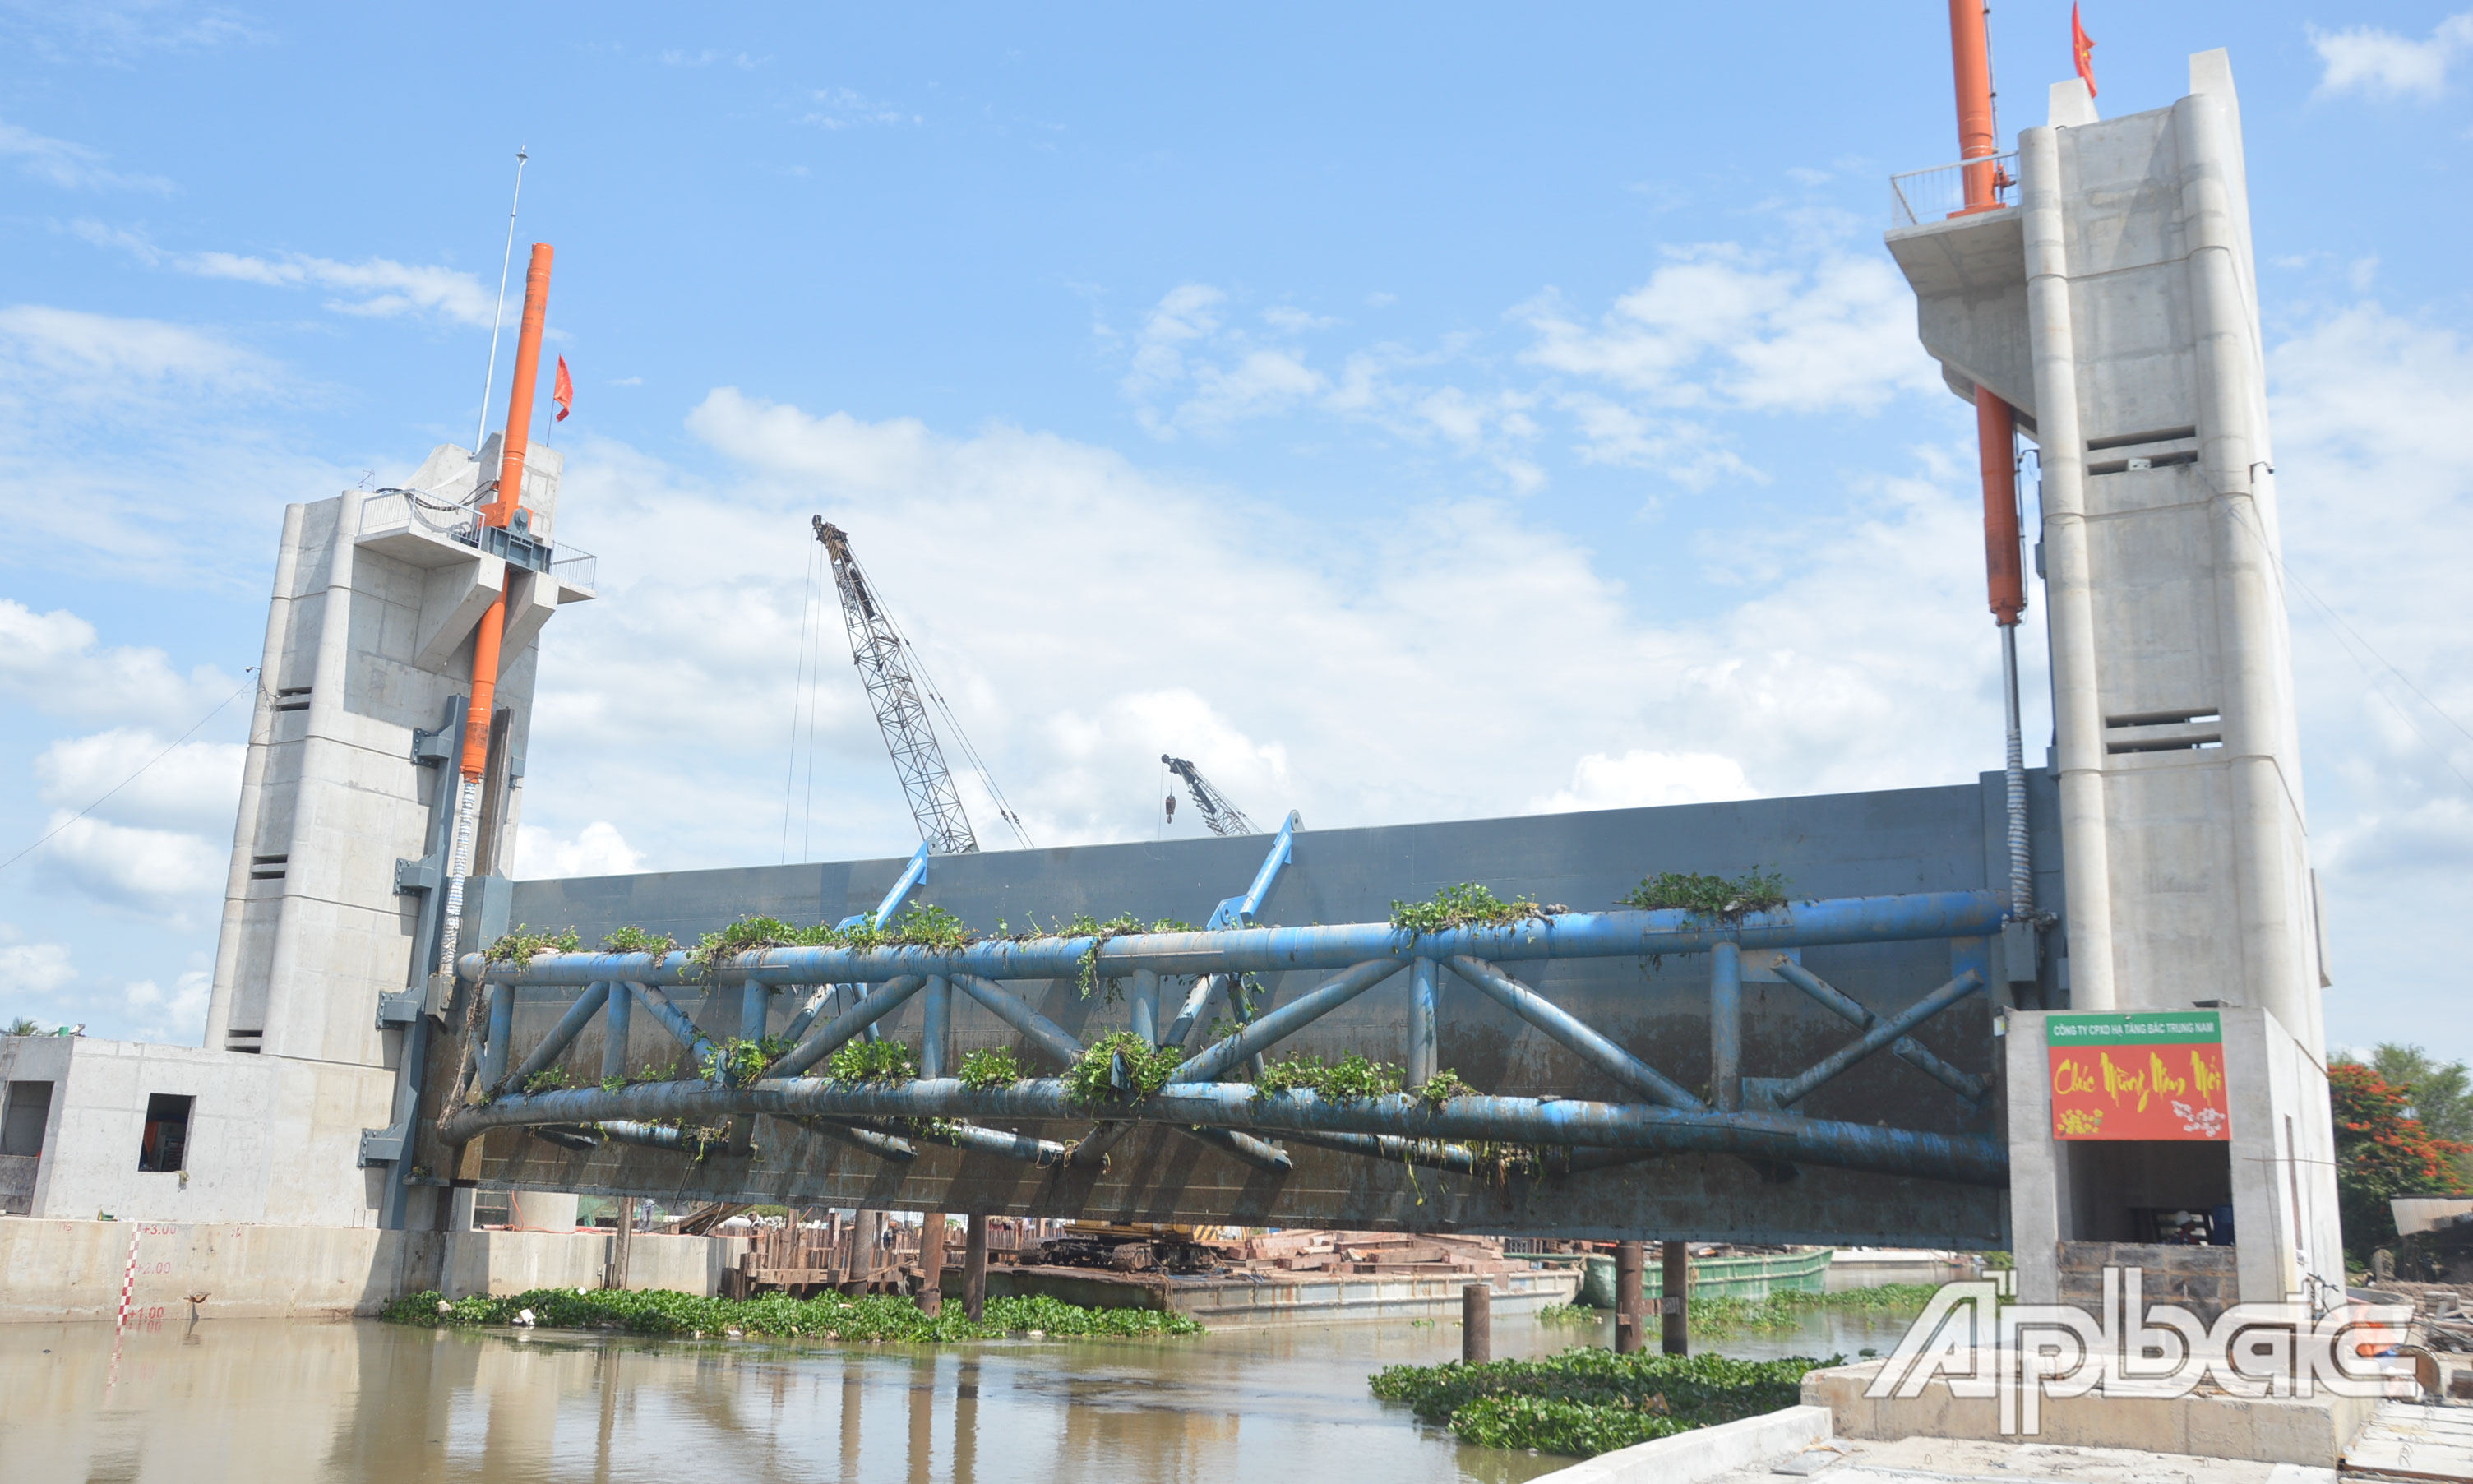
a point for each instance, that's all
(2124, 265)
(56, 1270)
(271, 1139)
(2278, 1168)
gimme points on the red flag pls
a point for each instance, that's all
(562, 392)
(2082, 46)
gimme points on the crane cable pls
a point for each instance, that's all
(936, 696)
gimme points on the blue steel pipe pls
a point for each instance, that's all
(700, 1048)
(502, 1030)
(1425, 1047)
(1195, 1000)
(1905, 1048)
(873, 1141)
(1457, 1157)
(1878, 1035)
(879, 1002)
(1587, 1044)
(650, 1136)
(1970, 1158)
(578, 1016)
(1278, 949)
(1225, 1056)
(617, 1023)
(1039, 1152)
(1242, 1146)
(755, 1009)
(1726, 1025)
(937, 1005)
(1015, 1011)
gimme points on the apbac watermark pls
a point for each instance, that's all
(1983, 1345)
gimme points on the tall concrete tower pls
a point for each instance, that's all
(2112, 301)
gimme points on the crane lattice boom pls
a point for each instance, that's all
(1223, 818)
(884, 667)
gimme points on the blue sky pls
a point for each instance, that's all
(1417, 412)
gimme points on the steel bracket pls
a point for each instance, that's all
(418, 876)
(385, 1146)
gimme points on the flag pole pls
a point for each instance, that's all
(497, 316)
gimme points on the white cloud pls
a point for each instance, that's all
(65, 356)
(1640, 778)
(1098, 616)
(179, 1017)
(194, 787)
(52, 664)
(840, 108)
(2381, 64)
(142, 870)
(1183, 315)
(598, 850)
(1292, 321)
(33, 967)
(72, 167)
(375, 287)
(1722, 327)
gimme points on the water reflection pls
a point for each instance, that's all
(271, 1401)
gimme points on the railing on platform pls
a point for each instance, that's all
(1921, 196)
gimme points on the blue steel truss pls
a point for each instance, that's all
(1750, 1118)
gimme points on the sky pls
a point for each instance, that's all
(1404, 412)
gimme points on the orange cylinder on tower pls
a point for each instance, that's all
(502, 507)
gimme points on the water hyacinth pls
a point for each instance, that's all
(826, 1316)
(1588, 1402)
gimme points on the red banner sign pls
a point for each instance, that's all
(2138, 1076)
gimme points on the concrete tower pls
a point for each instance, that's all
(2113, 302)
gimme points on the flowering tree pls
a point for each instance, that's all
(2382, 1152)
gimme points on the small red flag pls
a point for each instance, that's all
(562, 392)
(2082, 46)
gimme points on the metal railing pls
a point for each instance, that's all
(391, 510)
(401, 510)
(575, 568)
(1934, 195)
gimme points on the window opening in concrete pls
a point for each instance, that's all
(165, 1147)
(268, 868)
(21, 1123)
(292, 698)
(2133, 440)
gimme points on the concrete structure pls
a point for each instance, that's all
(56, 1270)
(2115, 305)
(2112, 303)
(333, 881)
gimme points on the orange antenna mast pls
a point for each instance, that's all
(1996, 423)
(503, 504)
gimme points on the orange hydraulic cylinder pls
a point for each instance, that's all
(1971, 57)
(1996, 449)
(501, 509)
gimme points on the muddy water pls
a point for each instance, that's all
(267, 1401)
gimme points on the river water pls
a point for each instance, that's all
(273, 1400)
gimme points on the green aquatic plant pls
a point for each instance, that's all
(1587, 1401)
(1120, 1066)
(989, 1067)
(777, 1315)
(1706, 895)
(519, 947)
(859, 1060)
(1465, 905)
